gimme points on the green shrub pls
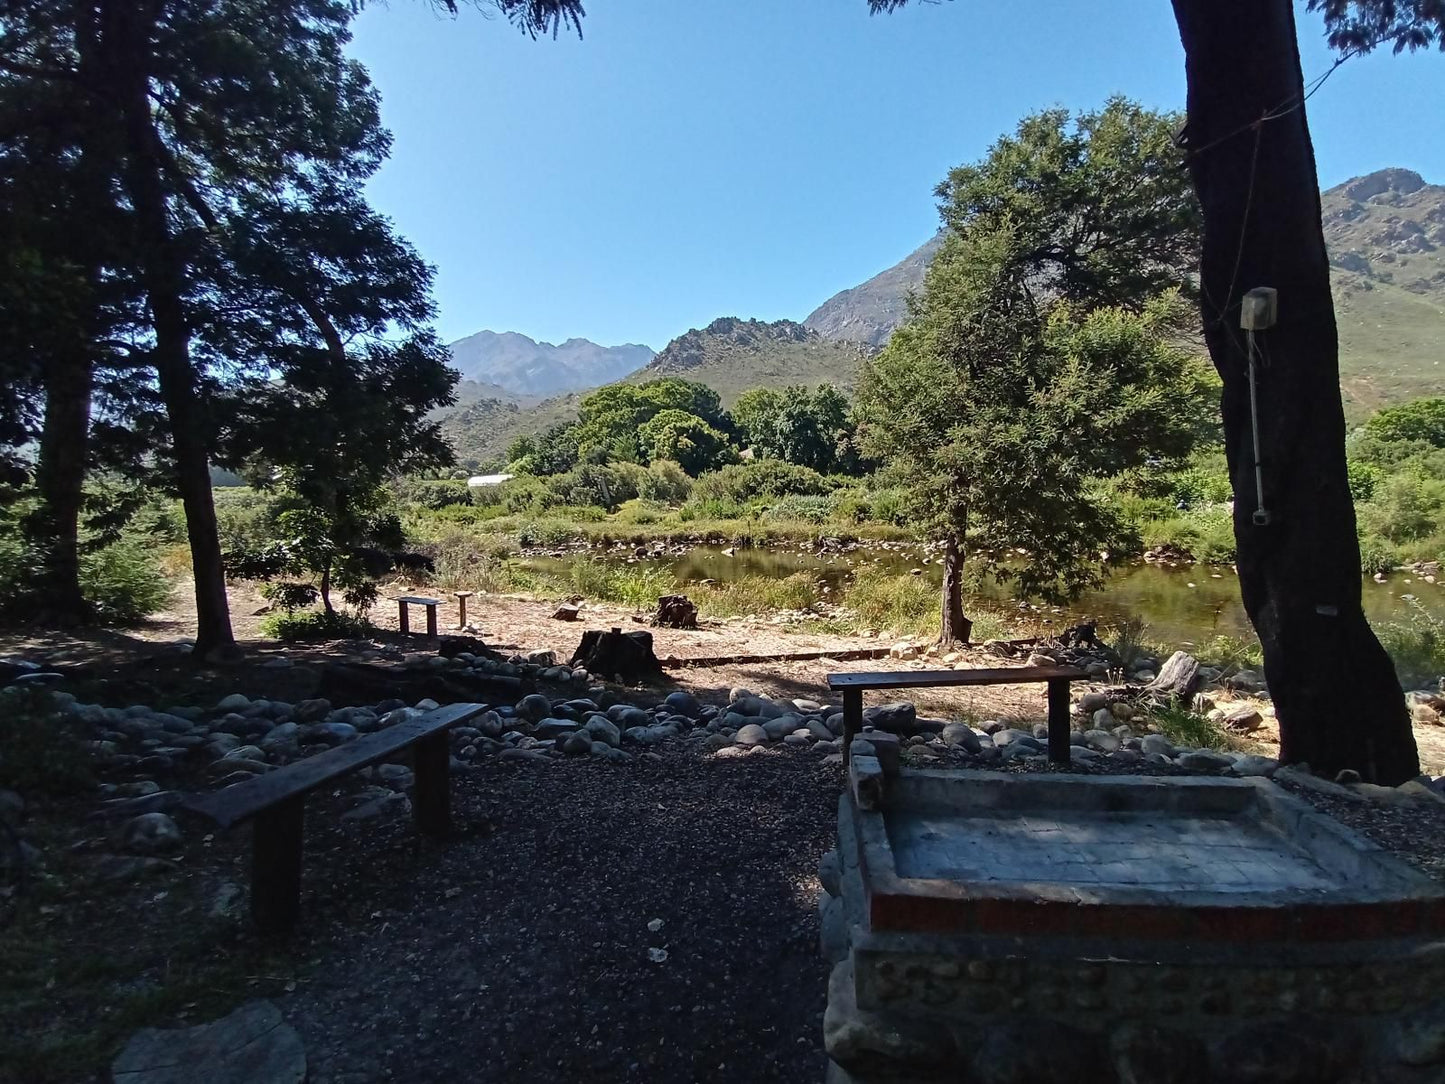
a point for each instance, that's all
(742, 482)
(1183, 727)
(546, 532)
(435, 494)
(1377, 555)
(1417, 647)
(641, 512)
(1404, 508)
(42, 749)
(712, 508)
(315, 625)
(904, 604)
(815, 509)
(1130, 640)
(664, 481)
(124, 581)
(759, 595)
(1231, 653)
(1201, 485)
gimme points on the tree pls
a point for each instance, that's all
(1037, 360)
(189, 114)
(1252, 162)
(684, 439)
(610, 419)
(811, 429)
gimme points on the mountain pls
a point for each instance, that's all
(731, 355)
(522, 366)
(1386, 236)
(868, 313)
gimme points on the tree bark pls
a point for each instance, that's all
(131, 27)
(1335, 692)
(54, 528)
(956, 628)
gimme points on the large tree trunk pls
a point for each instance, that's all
(54, 527)
(956, 628)
(1338, 701)
(164, 270)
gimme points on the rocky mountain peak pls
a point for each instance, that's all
(1397, 181)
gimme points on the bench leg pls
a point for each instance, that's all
(852, 720)
(276, 847)
(1059, 721)
(462, 612)
(431, 621)
(431, 800)
(403, 619)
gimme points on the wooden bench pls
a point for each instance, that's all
(404, 619)
(275, 802)
(852, 687)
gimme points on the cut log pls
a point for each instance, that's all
(568, 611)
(1176, 681)
(625, 657)
(675, 612)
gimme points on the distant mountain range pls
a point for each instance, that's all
(1385, 231)
(521, 366)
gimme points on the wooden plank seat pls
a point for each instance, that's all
(275, 802)
(853, 686)
(404, 618)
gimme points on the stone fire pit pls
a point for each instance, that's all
(1046, 927)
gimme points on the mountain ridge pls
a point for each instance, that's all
(523, 366)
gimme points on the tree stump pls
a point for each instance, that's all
(1177, 679)
(675, 612)
(625, 657)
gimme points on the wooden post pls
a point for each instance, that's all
(431, 620)
(403, 619)
(852, 720)
(431, 800)
(462, 597)
(1059, 721)
(276, 845)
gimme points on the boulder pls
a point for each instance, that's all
(963, 736)
(252, 1045)
(534, 707)
(683, 703)
(149, 833)
(752, 734)
(896, 717)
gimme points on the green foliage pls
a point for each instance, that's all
(751, 595)
(902, 604)
(1417, 647)
(295, 627)
(665, 482)
(42, 748)
(124, 581)
(685, 439)
(1420, 420)
(1000, 406)
(1185, 728)
(742, 482)
(811, 429)
(1405, 508)
(1130, 641)
(434, 494)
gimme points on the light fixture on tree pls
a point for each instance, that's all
(1258, 311)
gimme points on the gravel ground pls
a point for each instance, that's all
(526, 949)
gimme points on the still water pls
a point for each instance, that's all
(1181, 605)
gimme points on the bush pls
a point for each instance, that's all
(760, 595)
(435, 494)
(807, 509)
(546, 532)
(664, 481)
(315, 625)
(1183, 727)
(742, 482)
(1417, 647)
(903, 604)
(124, 581)
(42, 749)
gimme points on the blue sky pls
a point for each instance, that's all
(690, 159)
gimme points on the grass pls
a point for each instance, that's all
(757, 595)
(1416, 646)
(1186, 728)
